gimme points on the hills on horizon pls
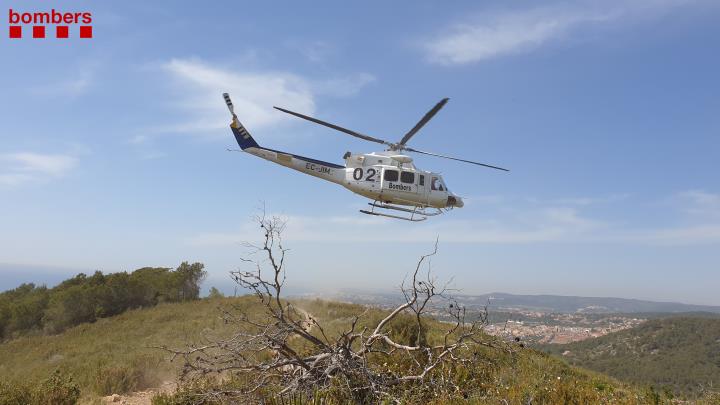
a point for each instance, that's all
(565, 303)
(14, 276)
(498, 301)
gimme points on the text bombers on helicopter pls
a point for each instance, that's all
(389, 178)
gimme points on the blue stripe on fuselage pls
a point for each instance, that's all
(307, 159)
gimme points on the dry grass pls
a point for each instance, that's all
(114, 355)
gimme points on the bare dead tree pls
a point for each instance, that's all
(284, 350)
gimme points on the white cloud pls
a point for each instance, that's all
(199, 88)
(13, 179)
(138, 139)
(152, 155)
(54, 165)
(253, 94)
(510, 223)
(343, 86)
(313, 51)
(498, 34)
(544, 225)
(72, 84)
(491, 199)
(699, 221)
(701, 203)
(23, 167)
(581, 201)
(677, 236)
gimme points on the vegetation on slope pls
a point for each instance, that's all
(38, 309)
(493, 376)
(115, 355)
(680, 354)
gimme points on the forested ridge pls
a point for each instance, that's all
(30, 308)
(680, 354)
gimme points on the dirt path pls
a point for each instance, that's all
(139, 397)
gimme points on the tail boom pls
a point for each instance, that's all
(317, 168)
(325, 170)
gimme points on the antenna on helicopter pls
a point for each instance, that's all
(399, 146)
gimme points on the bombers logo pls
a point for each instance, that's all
(401, 187)
(39, 21)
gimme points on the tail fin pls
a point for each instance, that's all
(241, 134)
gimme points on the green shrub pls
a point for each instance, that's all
(84, 299)
(57, 390)
(14, 394)
(404, 330)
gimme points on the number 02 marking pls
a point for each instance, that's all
(358, 174)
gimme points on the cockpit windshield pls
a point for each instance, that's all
(437, 184)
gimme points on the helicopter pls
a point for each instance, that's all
(389, 178)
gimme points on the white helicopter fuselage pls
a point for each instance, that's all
(386, 177)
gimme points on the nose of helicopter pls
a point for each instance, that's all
(454, 201)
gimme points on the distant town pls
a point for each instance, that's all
(539, 319)
(543, 328)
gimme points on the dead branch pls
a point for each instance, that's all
(288, 349)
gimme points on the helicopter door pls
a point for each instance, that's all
(422, 191)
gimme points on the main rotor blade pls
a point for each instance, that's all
(335, 127)
(424, 120)
(449, 157)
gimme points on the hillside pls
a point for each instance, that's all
(114, 355)
(681, 353)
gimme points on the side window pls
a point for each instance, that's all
(421, 180)
(391, 175)
(407, 177)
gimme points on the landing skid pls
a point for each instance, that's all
(417, 214)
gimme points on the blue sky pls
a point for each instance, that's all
(112, 150)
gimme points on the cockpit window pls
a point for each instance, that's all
(421, 180)
(407, 177)
(436, 184)
(391, 175)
